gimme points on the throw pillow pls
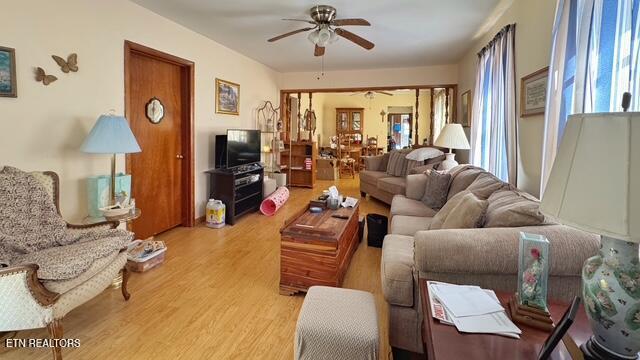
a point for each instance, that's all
(411, 164)
(468, 214)
(424, 153)
(462, 179)
(385, 161)
(441, 216)
(513, 208)
(397, 164)
(436, 189)
(485, 185)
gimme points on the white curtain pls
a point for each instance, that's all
(439, 111)
(494, 144)
(594, 60)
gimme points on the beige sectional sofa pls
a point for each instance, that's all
(480, 256)
(378, 183)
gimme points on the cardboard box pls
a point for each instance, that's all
(327, 169)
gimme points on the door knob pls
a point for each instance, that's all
(179, 157)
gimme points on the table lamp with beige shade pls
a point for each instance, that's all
(452, 136)
(594, 186)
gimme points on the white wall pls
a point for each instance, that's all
(425, 75)
(44, 127)
(534, 22)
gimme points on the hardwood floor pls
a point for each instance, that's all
(215, 297)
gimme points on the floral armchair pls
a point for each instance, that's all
(26, 302)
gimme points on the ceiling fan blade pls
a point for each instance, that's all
(319, 51)
(307, 21)
(289, 34)
(343, 22)
(384, 93)
(355, 38)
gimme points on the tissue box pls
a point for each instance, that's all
(98, 191)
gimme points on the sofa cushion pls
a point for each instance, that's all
(62, 286)
(441, 216)
(485, 185)
(393, 185)
(397, 269)
(402, 205)
(461, 180)
(421, 169)
(408, 225)
(397, 165)
(371, 177)
(513, 208)
(436, 189)
(468, 214)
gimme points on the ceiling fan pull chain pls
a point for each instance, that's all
(321, 68)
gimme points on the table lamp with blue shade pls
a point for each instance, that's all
(111, 134)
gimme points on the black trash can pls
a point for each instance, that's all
(377, 229)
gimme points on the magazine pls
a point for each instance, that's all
(143, 250)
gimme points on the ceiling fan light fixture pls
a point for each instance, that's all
(333, 38)
(324, 35)
(313, 37)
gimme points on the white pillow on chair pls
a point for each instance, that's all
(425, 153)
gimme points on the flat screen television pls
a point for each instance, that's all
(243, 147)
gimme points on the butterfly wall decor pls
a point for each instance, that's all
(44, 78)
(71, 64)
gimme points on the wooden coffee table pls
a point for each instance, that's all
(445, 342)
(316, 249)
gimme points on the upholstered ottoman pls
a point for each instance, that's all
(335, 324)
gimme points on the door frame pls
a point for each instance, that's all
(188, 163)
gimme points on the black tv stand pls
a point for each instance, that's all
(239, 188)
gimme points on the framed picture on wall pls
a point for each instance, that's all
(533, 93)
(465, 115)
(227, 97)
(8, 72)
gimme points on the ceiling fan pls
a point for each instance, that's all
(325, 29)
(371, 94)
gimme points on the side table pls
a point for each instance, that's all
(122, 219)
(446, 342)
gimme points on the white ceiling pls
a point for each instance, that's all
(406, 32)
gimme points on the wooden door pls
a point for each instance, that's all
(160, 173)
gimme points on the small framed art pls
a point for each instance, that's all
(465, 114)
(8, 72)
(533, 93)
(227, 97)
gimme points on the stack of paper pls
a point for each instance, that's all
(470, 309)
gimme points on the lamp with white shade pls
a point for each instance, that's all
(594, 185)
(452, 136)
(111, 134)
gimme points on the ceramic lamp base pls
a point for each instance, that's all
(611, 292)
(592, 351)
(449, 162)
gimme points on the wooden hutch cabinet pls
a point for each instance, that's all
(350, 121)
